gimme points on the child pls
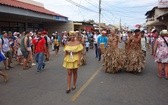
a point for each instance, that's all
(87, 46)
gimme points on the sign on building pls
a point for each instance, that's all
(163, 4)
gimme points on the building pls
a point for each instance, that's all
(158, 17)
(21, 15)
(83, 26)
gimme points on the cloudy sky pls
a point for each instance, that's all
(131, 12)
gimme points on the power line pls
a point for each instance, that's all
(81, 6)
(91, 4)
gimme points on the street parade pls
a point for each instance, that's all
(49, 59)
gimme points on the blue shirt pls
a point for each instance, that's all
(102, 39)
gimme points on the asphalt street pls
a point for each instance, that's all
(94, 87)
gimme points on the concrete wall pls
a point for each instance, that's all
(59, 27)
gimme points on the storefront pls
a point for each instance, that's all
(20, 16)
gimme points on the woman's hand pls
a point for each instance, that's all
(79, 62)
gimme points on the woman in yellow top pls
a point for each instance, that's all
(72, 59)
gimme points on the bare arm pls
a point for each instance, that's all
(25, 42)
(155, 47)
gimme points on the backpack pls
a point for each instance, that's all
(56, 43)
(45, 37)
(2, 41)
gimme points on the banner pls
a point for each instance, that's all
(163, 4)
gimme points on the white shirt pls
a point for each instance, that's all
(95, 38)
(143, 44)
(5, 46)
(87, 44)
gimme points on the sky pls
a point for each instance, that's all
(131, 12)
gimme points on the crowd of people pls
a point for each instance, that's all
(33, 48)
(27, 48)
(132, 57)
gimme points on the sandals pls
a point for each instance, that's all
(74, 87)
(68, 91)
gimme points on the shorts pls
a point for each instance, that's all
(29, 49)
(19, 52)
(25, 53)
(8, 54)
(56, 47)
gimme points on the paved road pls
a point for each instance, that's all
(94, 87)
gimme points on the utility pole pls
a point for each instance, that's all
(99, 15)
(120, 25)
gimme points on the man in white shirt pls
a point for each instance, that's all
(6, 50)
(143, 42)
(95, 36)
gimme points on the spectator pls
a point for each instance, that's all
(161, 53)
(25, 44)
(6, 50)
(40, 50)
(95, 36)
(56, 44)
(102, 44)
(87, 45)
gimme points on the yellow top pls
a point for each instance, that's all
(71, 59)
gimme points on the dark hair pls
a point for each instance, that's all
(4, 32)
(143, 31)
(27, 32)
(137, 30)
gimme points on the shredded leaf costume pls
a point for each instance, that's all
(114, 58)
(135, 57)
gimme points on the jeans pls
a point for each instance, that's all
(99, 54)
(40, 60)
(96, 50)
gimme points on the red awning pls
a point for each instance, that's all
(18, 4)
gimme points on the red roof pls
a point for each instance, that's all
(19, 4)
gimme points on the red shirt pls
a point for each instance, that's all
(39, 45)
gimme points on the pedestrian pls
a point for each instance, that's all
(72, 60)
(56, 44)
(52, 41)
(143, 42)
(64, 38)
(6, 50)
(40, 50)
(135, 56)
(2, 58)
(30, 49)
(12, 40)
(80, 38)
(102, 44)
(48, 42)
(87, 45)
(161, 53)
(154, 36)
(24, 47)
(19, 53)
(95, 36)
